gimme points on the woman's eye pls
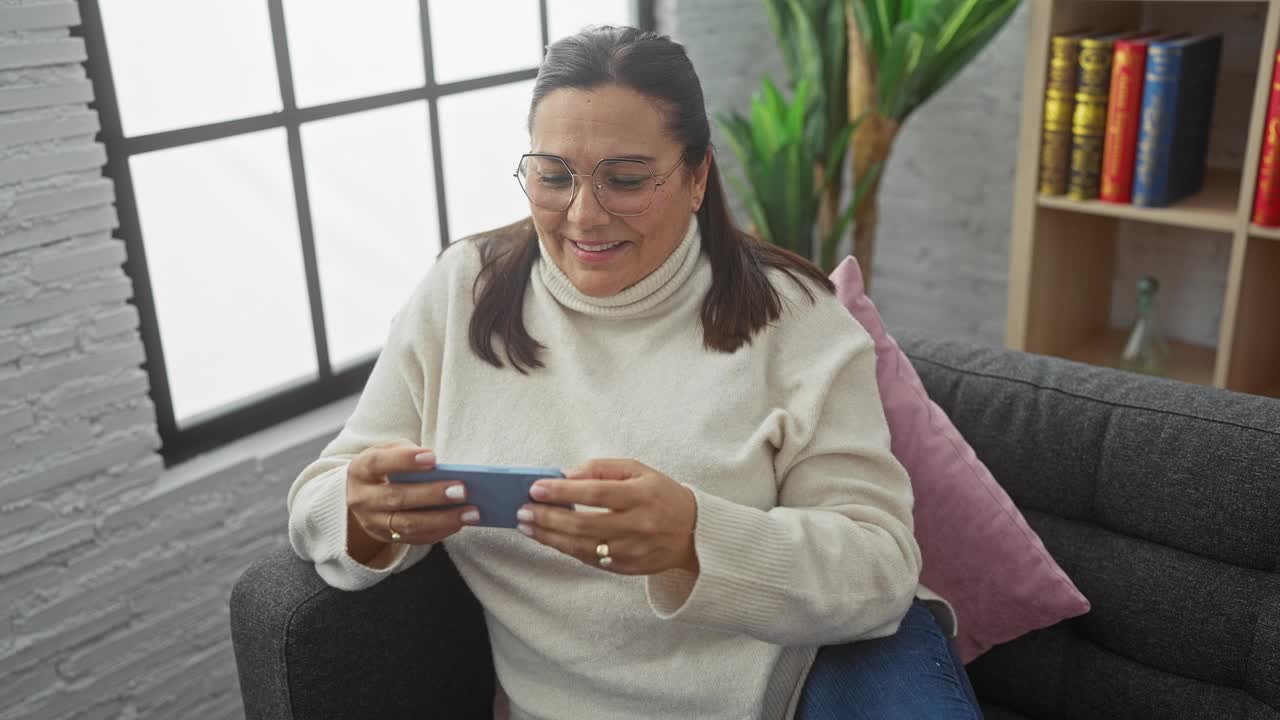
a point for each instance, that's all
(623, 182)
(554, 180)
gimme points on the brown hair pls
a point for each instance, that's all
(741, 300)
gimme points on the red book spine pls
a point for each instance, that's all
(1124, 110)
(1266, 203)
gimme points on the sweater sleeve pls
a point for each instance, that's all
(836, 560)
(390, 407)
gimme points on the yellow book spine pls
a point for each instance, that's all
(1089, 118)
(1059, 106)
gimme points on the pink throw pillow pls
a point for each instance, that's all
(979, 553)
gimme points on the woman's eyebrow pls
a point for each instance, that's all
(645, 158)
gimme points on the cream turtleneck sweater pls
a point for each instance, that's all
(804, 526)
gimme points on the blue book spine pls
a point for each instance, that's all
(1155, 134)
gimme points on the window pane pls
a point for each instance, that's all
(171, 65)
(220, 231)
(484, 37)
(373, 210)
(483, 135)
(381, 48)
(566, 17)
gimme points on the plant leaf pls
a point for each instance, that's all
(738, 134)
(766, 123)
(799, 110)
(886, 18)
(864, 184)
(777, 10)
(833, 164)
(893, 72)
(753, 206)
(807, 46)
(837, 69)
(869, 28)
(971, 40)
(958, 14)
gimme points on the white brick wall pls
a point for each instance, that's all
(114, 572)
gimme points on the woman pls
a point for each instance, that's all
(757, 556)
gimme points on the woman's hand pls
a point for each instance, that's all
(376, 506)
(649, 526)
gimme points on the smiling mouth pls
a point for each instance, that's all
(596, 247)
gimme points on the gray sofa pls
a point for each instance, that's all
(1160, 499)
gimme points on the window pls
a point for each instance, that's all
(286, 171)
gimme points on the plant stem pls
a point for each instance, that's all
(871, 142)
(871, 146)
(828, 214)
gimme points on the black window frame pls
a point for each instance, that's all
(256, 414)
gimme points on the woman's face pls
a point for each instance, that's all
(611, 121)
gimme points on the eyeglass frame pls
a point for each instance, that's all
(595, 186)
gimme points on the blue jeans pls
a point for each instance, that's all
(911, 674)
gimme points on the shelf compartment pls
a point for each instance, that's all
(1265, 233)
(1213, 208)
(1187, 362)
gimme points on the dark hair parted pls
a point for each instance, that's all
(741, 300)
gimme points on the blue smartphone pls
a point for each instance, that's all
(497, 491)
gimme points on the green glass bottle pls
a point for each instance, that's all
(1146, 350)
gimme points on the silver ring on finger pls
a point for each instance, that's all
(602, 555)
(395, 536)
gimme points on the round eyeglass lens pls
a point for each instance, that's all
(625, 187)
(546, 181)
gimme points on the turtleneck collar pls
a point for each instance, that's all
(644, 295)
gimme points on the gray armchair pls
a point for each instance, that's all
(412, 646)
(1160, 499)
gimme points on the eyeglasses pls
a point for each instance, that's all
(624, 187)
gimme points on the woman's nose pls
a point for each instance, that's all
(585, 209)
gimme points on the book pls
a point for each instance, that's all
(1059, 102)
(1089, 116)
(1124, 105)
(1177, 110)
(1266, 201)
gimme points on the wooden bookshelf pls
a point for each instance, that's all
(1063, 254)
(1268, 233)
(1187, 361)
(1213, 208)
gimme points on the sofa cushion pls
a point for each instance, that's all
(979, 553)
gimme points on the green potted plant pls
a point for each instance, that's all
(792, 151)
(873, 61)
(901, 52)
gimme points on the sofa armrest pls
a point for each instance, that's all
(413, 646)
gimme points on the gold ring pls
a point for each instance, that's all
(395, 536)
